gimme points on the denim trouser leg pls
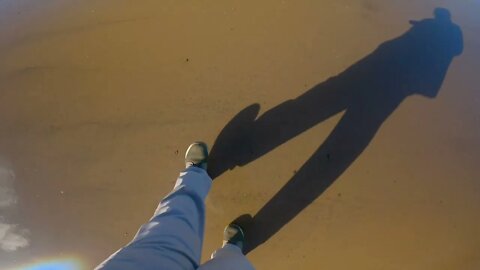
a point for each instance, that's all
(173, 238)
(228, 257)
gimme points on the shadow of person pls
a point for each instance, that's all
(367, 92)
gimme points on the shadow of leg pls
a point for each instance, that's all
(232, 143)
(346, 142)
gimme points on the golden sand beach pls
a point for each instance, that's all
(361, 118)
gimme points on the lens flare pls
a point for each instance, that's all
(53, 264)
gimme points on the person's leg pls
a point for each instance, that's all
(173, 238)
(230, 256)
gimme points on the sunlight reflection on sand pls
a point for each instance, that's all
(53, 264)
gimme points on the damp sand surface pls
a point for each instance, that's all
(99, 100)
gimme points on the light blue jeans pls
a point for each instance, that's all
(173, 238)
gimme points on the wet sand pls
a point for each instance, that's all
(99, 101)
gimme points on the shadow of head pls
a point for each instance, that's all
(435, 42)
(442, 14)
